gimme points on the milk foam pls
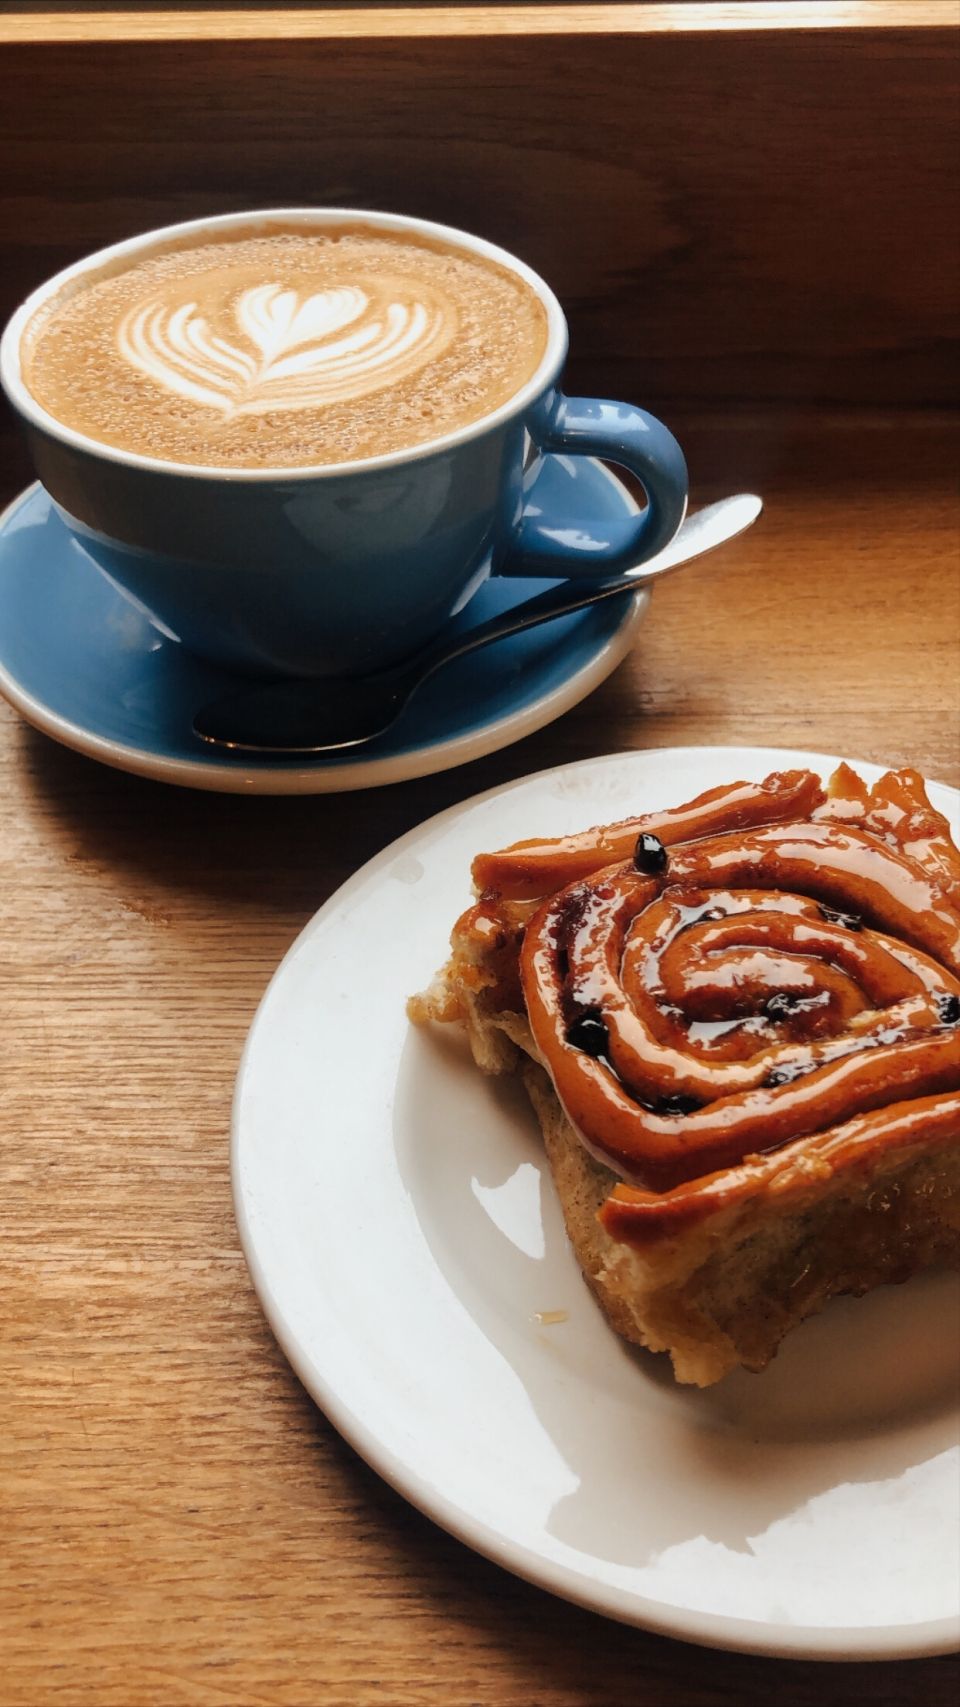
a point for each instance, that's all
(279, 349)
(285, 347)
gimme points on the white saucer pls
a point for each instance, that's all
(405, 1240)
(85, 666)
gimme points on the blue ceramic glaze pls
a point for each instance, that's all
(347, 568)
(551, 543)
(84, 664)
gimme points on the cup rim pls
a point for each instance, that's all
(11, 376)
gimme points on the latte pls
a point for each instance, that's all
(285, 346)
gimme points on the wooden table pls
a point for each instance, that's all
(182, 1525)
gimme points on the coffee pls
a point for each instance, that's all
(284, 347)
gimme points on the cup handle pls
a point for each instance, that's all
(620, 433)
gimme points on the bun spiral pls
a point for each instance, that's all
(771, 968)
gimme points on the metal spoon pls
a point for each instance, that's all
(324, 715)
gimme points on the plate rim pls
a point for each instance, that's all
(848, 1643)
(220, 777)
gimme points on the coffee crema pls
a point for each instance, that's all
(285, 347)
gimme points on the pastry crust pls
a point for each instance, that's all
(817, 1151)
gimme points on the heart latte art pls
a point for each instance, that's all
(284, 350)
(286, 347)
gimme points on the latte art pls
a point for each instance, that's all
(290, 352)
(285, 347)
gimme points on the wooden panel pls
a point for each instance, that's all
(751, 213)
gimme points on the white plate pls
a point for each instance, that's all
(404, 1238)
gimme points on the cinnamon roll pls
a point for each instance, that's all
(739, 1023)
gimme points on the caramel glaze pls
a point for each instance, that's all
(529, 870)
(786, 981)
(857, 1150)
(897, 807)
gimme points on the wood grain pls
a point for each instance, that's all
(736, 215)
(78, 22)
(180, 1525)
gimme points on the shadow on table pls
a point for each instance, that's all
(228, 847)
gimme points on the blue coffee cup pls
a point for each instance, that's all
(344, 568)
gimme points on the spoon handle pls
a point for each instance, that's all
(305, 716)
(711, 526)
